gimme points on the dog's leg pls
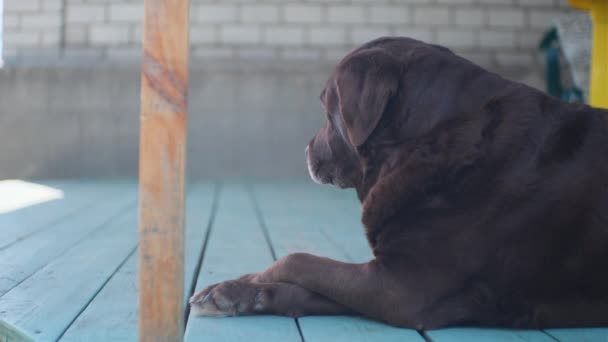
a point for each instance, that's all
(368, 289)
(247, 297)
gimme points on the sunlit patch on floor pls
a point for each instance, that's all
(17, 194)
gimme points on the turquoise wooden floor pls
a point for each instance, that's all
(68, 267)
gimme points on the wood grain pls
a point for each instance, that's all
(45, 304)
(323, 221)
(162, 160)
(77, 197)
(112, 315)
(27, 256)
(237, 246)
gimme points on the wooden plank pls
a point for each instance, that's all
(19, 224)
(25, 257)
(161, 164)
(10, 333)
(112, 315)
(46, 303)
(325, 222)
(237, 246)
(580, 334)
(494, 335)
(201, 207)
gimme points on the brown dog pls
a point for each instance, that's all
(485, 201)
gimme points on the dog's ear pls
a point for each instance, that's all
(365, 83)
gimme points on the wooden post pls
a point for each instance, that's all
(164, 86)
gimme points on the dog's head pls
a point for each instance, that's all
(385, 93)
(354, 99)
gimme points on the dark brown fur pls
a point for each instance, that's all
(484, 201)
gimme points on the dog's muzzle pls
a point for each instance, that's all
(311, 168)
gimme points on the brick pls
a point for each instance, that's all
(536, 3)
(76, 35)
(384, 2)
(51, 5)
(138, 32)
(543, 19)
(21, 39)
(455, 2)
(135, 35)
(127, 12)
(301, 54)
(514, 59)
(8, 53)
(389, 14)
(109, 34)
(456, 38)
(346, 14)
(363, 35)
(240, 34)
(45, 20)
(498, 2)
(473, 17)
(38, 53)
(334, 55)
(326, 35)
(497, 39)
(124, 54)
(257, 53)
(85, 14)
(259, 14)
(431, 16)
(425, 35)
(216, 14)
(506, 18)
(303, 13)
(21, 5)
(483, 59)
(529, 39)
(210, 52)
(203, 34)
(284, 35)
(11, 21)
(50, 38)
(83, 53)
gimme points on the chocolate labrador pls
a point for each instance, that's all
(485, 201)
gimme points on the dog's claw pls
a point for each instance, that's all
(230, 298)
(207, 298)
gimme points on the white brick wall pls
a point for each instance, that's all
(431, 16)
(491, 32)
(302, 13)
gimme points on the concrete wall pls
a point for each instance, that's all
(83, 120)
(69, 93)
(491, 32)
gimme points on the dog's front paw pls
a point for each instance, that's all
(230, 298)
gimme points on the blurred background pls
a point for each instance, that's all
(69, 88)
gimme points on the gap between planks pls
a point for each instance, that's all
(67, 248)
(103, 285)
(217, 188)
(192, 188)
(74, 193)
(262, 223)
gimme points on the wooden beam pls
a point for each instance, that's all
(164, 87)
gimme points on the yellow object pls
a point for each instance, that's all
(598, 92)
